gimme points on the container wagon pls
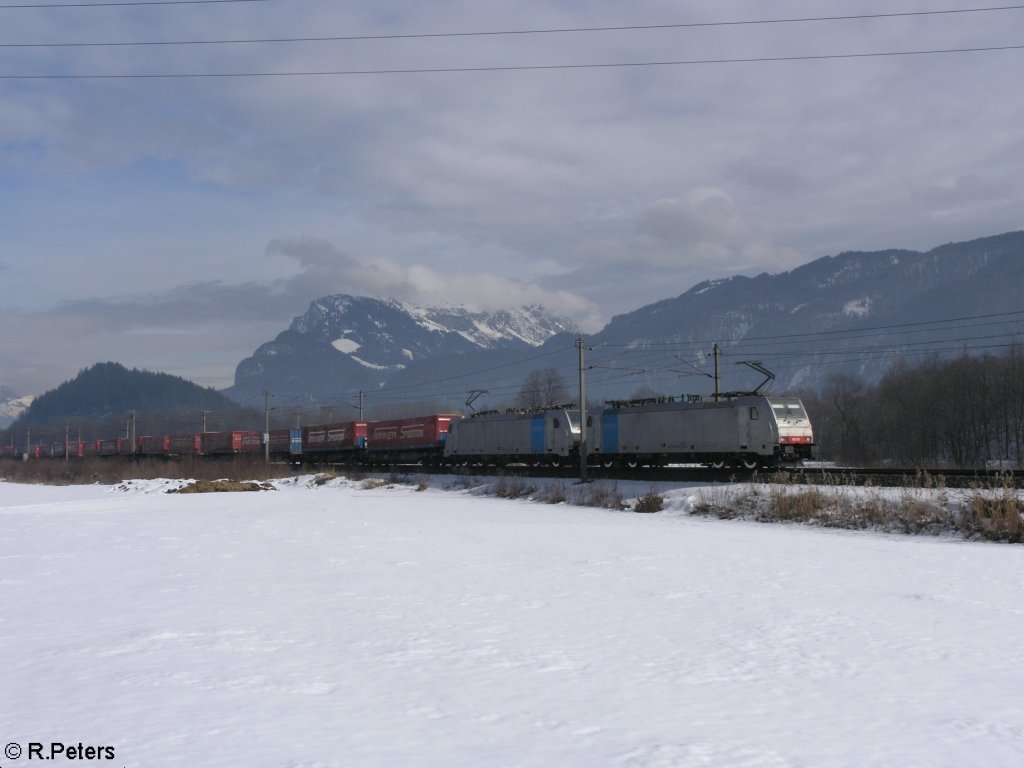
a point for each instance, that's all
(231, 443)
(412, 440)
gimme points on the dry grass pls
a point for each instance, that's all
(512, 487)
(223, 486)
(994, 513)
(600, 495)
(802, 506)
(115, 469)
(555, 494)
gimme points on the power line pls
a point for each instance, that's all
(516, 68)
(496, 33)
(814, 334)
(125, 4)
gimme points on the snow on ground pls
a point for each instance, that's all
(339, 626)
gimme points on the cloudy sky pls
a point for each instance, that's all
(175, 223)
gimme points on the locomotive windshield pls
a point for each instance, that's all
(788, 409)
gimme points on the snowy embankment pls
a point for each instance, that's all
(340, 626)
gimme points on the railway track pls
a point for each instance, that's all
(832, 476)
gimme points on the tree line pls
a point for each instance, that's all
(962, 412)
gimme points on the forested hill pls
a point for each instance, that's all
(110, 390)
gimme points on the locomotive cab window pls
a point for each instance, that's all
(557, 424)
(788, 411)
(754, 413)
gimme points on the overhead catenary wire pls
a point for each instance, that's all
(896, 327)
(501, 33)
(126, 4)
(509, 68)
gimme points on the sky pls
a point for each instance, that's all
(175, 223)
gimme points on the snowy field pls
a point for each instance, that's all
(315, 627)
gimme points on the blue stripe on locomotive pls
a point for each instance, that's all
(537, 433)
(610, 432)
(295, 441)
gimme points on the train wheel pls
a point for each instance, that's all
(749, 463)
(632, 463)
(608, 463)
(554, 462)
(717, 464)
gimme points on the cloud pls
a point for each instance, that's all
(329, 270)
(202, 330)
(592, 191)
(706, 215)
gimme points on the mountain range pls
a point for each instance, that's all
(350, 343)
(852, 313)
(856, 312)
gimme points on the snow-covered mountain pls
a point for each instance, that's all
(344, 343)
(855, 312)
(12, 406)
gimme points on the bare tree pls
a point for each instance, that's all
(542, 389)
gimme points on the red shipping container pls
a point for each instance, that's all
(155, 445)
(248, 442)
(280, 440)
(185, 445)
(419, 432)
(231, 442)
(346, 435)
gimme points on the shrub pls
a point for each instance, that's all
(599, 495)
(512, 487)
(649, 502)
(556, 494)
(995, 515)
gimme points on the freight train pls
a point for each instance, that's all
(746, 431)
